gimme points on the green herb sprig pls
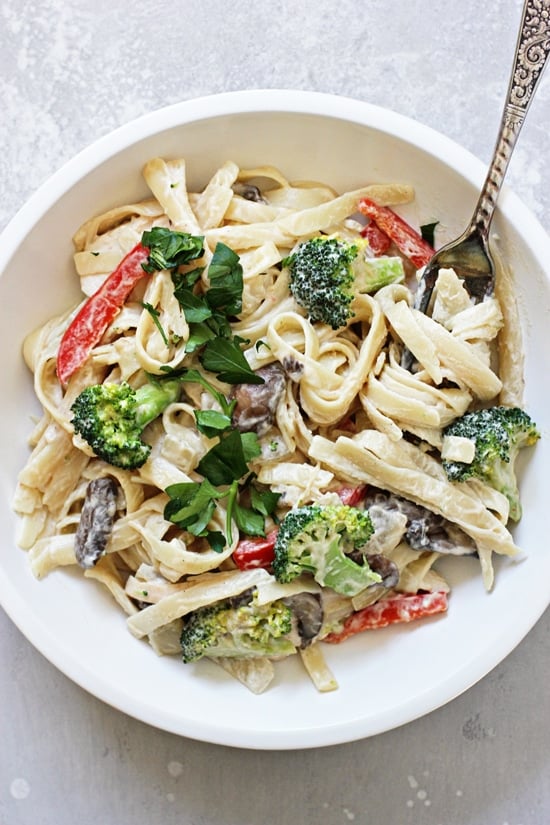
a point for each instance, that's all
(155, 316)
(225, 467)
(169, 249)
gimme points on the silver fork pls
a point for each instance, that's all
(469, 254)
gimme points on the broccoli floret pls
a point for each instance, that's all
(238, 628)
(111, 418)
(498, 434)
(327, 272)
(318, 540)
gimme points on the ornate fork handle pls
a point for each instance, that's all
(532, 51)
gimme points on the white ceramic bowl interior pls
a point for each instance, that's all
(386, 678)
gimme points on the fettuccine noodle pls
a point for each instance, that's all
(350, 415)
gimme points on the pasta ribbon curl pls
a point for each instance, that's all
(331, 371)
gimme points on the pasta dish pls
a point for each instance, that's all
(230, 442)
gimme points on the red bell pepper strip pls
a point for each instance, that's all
(96, 314)
(379, 242)
(255, 552)
(352, 495)
(407, 239)
(405, 607)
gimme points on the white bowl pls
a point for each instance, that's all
(386, 678)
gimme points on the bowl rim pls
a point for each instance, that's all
(235, 103)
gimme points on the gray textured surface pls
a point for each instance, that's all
(72, 71)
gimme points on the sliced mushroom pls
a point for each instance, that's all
(257, 403)
(378, 563)
(389, 528)
(308, 613)
(96, 521)
(241, 599)
(386, 569)
(293, 368)
(249, 192)
(424, 530)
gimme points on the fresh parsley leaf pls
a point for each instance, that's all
(248, 521)
(219, 324)
(232, 494)
(208, 313)
(194, 307)
(186, 280)
(199, 334)
(225, 275)
(216, 326)
(240, 340)
(190, 277)
(169, 249)
(191, 505)
(204, 322)
(263, 500)
(195, 377)
(155, 315)
(225, 358)
(226, 461)
(212, 422)
(251, 446)
(216, 540)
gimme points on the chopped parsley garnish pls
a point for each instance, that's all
(225, 467)
(155, 315)
(169, 249)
